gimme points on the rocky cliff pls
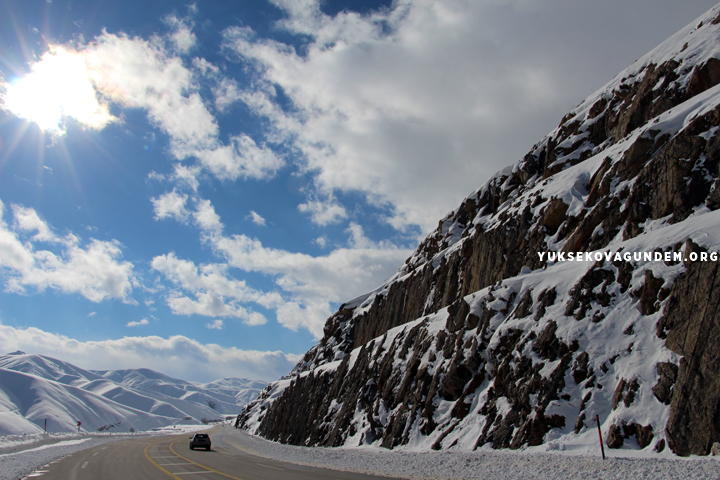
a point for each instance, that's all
(580, 282)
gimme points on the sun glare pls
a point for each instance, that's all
(57, 86)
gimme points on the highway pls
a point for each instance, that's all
(157, 458)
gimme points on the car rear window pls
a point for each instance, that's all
(201, 435)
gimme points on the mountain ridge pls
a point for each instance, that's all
(35, 388)
(479, 340)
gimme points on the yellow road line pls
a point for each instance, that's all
(157, 464)
(200, 465)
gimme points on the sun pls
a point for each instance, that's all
(58, 86)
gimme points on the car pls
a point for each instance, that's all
(200, 440)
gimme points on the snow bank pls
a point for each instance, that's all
(498, 465)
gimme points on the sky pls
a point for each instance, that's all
(196, 187)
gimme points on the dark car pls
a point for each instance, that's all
(200, 440)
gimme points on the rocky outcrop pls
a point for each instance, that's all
(489, 336)
(691, 326)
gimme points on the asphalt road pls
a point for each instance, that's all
(158, 458)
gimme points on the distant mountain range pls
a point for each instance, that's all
(576, 289)
(35, 389)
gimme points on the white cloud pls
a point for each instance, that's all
(338, 276)
(205, 68)
(324, 212)
(206, 218)
(135, 73)
(257, 218)
(309, 286)
(211, 305)
(214, 293)
(144, 321)
(216, 325)
(226, 93)
(28, 220)
(94, 271)
(139, 74)
(312, 284)
(304, 314)
(184, 176)
(358, 238)
(243, 158)
(171, 205)
(415, 106)
(209, 361)
(182, 37)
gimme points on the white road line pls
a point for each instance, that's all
(268, 466)
(84, 465)
(94, 454)
(192, 473)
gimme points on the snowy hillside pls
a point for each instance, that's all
(578, 283)
(34, 388)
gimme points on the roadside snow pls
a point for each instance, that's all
(21, 455)
(14, 466)
(498, 465)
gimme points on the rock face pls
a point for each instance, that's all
(579, 282)
(692, 329)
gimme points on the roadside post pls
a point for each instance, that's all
(602, 448)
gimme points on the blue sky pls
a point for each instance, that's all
(196, 187)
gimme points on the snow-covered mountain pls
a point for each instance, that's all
(580, 283)
(34, 388)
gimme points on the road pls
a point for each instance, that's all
(157, 458)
